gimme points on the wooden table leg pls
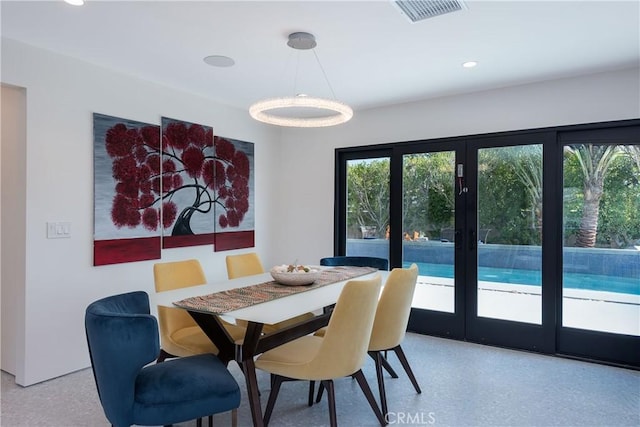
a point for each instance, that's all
(218, 335)
(252, 390)
(248, 351)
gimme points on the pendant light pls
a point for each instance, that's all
(321, 112)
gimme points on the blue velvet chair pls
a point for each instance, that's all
(356, 261)
(123, 340)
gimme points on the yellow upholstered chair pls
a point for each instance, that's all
(389, 327)
(242, 265)
(341, 352)
(180, 335)
(390, 324)
(249, 264)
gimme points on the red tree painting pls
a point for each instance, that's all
(201, 174)
(126, 165)
(196, 188)
(234, 186)
(135, 169)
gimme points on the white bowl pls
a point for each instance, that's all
(294, 278)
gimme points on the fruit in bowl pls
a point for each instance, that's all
(294, 275)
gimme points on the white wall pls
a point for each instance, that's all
(60, 280)
(13, 227)
(309, 156)
(294, 175)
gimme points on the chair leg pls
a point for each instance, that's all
(210, 420)
(331, 397)
(234, 418)
(362, 382)
(275, 388)
(407, 368)
(312, 387)
(386, 365)
(320, 390)
(199, 422)
(377, 357)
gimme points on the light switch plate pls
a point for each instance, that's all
(58, 230)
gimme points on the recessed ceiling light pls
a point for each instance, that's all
(75, 2)
(469, 64)
(219, 61)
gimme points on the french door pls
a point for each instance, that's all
(598, 299)
(492, 223)
(472, 221)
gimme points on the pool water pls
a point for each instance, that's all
(593, 282)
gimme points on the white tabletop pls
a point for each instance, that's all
(269, 312)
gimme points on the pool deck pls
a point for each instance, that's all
(582, 309)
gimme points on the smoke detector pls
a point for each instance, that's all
(422, 9)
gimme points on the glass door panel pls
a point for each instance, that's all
(428, 219)
(601, 238)
(367, 213)
(508, 236)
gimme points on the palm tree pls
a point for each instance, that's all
(594, 162)
(528, 168)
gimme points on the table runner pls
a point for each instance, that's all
(235, 299)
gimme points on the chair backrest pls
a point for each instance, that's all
(174, 275)
(394, 307)
(356, 261)
(242, 265)
(178, 274)
(346, 340)
(122, 338)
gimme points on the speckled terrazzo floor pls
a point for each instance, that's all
(463, 385)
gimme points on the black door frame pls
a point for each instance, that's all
(507, 333)
(550, 337)
(449, 325)
(464, 322)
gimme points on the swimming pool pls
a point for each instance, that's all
(593, 282)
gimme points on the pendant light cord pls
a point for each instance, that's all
(326, 79)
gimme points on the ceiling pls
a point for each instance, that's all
(372, 54)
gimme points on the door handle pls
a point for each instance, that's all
(457, 238)
(472, 239)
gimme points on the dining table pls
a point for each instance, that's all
(258, 300)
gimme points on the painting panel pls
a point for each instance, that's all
(126, 190)
(235, 188)
(188, 190)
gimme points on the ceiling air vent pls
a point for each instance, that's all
(423, 9)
